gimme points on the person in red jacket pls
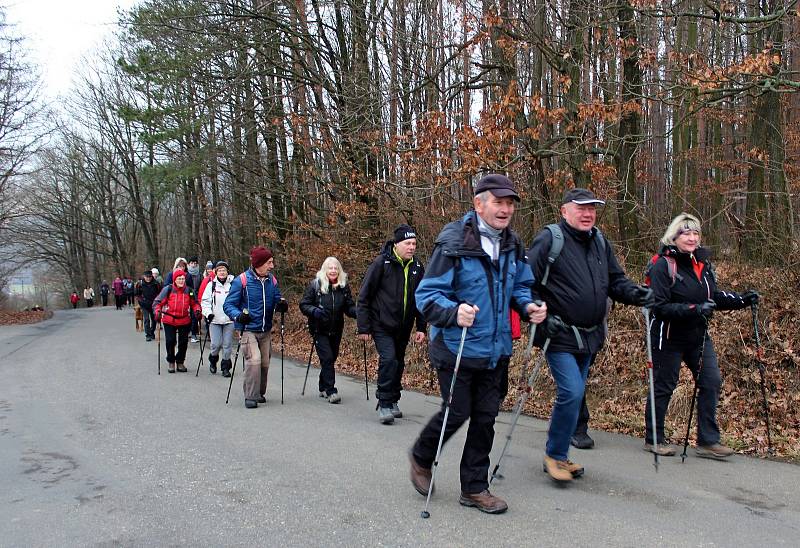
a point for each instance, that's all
(74, 299)
(175, 306)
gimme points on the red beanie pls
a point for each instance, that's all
(177, 273)
(260, 255)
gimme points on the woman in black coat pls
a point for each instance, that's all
(325, 302)
(686, 296)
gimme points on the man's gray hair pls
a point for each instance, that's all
(484, 196)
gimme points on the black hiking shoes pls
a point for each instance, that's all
(581, 441)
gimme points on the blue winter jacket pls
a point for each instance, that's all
(460, 271)
(259, 297)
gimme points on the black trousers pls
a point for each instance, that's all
(391, 349)
(666, 367)
(476, 397)
(105, 299)
(327, 346)
(119, 301)
(172, 335)
(89, 303)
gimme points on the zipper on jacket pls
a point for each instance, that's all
(264, 304)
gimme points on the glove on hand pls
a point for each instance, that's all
(198, 314)
(751, 297)
(320, 314)
(552, 326)
(210, 318)
(707, 309)
(643, 296)
(244, 318)
(282, 306)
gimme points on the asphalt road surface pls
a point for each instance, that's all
(96, 449)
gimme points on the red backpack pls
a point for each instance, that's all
(672, 268)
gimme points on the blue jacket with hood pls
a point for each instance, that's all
(258, 296)
(460, 271)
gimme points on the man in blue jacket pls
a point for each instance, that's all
(251, 305)
(477, 271)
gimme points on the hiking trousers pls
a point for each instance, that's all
(221, 338)
(256, 350)
(391, 349)
(327, 346)
(172, 335)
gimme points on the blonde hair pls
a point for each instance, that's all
(178, 261)
(322, 275)
(680, 224)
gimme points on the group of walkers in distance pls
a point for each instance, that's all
(461, 303)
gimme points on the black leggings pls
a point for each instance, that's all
(171, 333)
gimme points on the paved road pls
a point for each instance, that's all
(98, 450)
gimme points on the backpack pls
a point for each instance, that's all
(672, 268)
(557, 244)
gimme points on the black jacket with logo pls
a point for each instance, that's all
(380, 301)
(583, 276)
(337, 302)
(676, 318)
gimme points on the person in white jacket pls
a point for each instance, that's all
(220, 326)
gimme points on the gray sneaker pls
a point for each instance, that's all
(385, 415)
(396, 413)
(334, 398)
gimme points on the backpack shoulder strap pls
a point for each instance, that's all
(601, 240)
(556, 245)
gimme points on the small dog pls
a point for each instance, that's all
(137, 313)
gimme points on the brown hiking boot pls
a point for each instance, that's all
(181, 368)
(715, 451)
(484, 501)
(558, 470)
(661, 449)
(420, 476)
(575, 469)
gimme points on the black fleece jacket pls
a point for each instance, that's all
(337, 302)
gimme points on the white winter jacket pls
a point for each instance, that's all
(213, 299)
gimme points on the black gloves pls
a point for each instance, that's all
(320, 314)
(552, 326)
(282, 306)
(244, 317)
(751, 297)
(210, 318)
(706, 309)
(643, 296)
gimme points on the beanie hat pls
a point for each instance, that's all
(223, 263)
(209, 265)
(404, 232)
(177, 273)
(260, 255)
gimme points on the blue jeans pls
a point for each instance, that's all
(570, 372)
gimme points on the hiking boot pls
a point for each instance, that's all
(170, 367)
(212, 363)
(575, 469)
(195, 339)
(420, 476)
(226, 373)
(226, 368)
(261, 399)
(250, 404)
(323, 394)
(715, 451)
(661, 449)
(581, 441)
(484, 501)
(181, 368)
(148, 338)
(557, 470)
(385, 415)
(396, 413)
(334, 398)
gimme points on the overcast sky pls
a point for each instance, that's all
(58, 33)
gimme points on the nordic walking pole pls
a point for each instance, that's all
(158, 340)
(761, 372)
(233, 369)
(425, 514)
(519, 406)
(311, 353)
(282, 350)
(202, 347)
(646, 313)
(694, 392)
(366, 382)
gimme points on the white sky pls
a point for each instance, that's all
(58, 33)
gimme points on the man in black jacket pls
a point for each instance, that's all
(387, 311)
(147, 290)
(585, 274)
